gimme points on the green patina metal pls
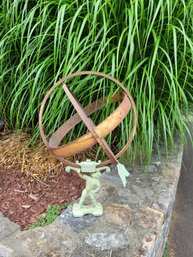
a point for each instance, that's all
(91, 174)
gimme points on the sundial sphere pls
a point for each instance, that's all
(97, 133)
(89, 170)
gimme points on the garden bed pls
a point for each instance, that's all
(28, 185)
(22, 199)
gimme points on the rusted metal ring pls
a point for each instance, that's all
(61, 81)
(92, 137)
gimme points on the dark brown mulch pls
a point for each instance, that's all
(22, 198)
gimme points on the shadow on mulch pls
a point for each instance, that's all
(23, 198)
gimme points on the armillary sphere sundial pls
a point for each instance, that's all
(90, 170)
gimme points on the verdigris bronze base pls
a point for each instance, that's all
(79, 211)
(91, 174)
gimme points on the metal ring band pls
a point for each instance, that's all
(88, 73)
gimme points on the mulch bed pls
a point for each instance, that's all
(23, 198)
(31, 179)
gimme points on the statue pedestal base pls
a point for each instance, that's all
(80, 211)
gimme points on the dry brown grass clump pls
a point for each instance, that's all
(33, 161)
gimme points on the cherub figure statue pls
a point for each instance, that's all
(91, 174)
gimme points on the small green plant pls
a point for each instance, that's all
(52, 212)
(166, 251)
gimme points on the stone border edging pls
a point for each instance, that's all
(135, 222)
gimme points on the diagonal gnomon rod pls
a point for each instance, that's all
(90, 125)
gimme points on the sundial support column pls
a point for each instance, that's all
(91, 174)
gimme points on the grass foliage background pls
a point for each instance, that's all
(147, 45)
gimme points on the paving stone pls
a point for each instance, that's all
(142, 192)
(149, 192)
(105, 192)
(5, 252)
(139, 191)
(121, 252)
(7, 227)
(77, 224)
(118, 214)
(174, 162)
(150, 168)
(52, 240)
(170, 173)
(149, 219)
(106, 241)
(146, 248)
(112, 177)
(88, 251)
(155, 179)
(124, 193)
(163, 201)
(79, 252)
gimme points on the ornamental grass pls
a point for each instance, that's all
(147, 45)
